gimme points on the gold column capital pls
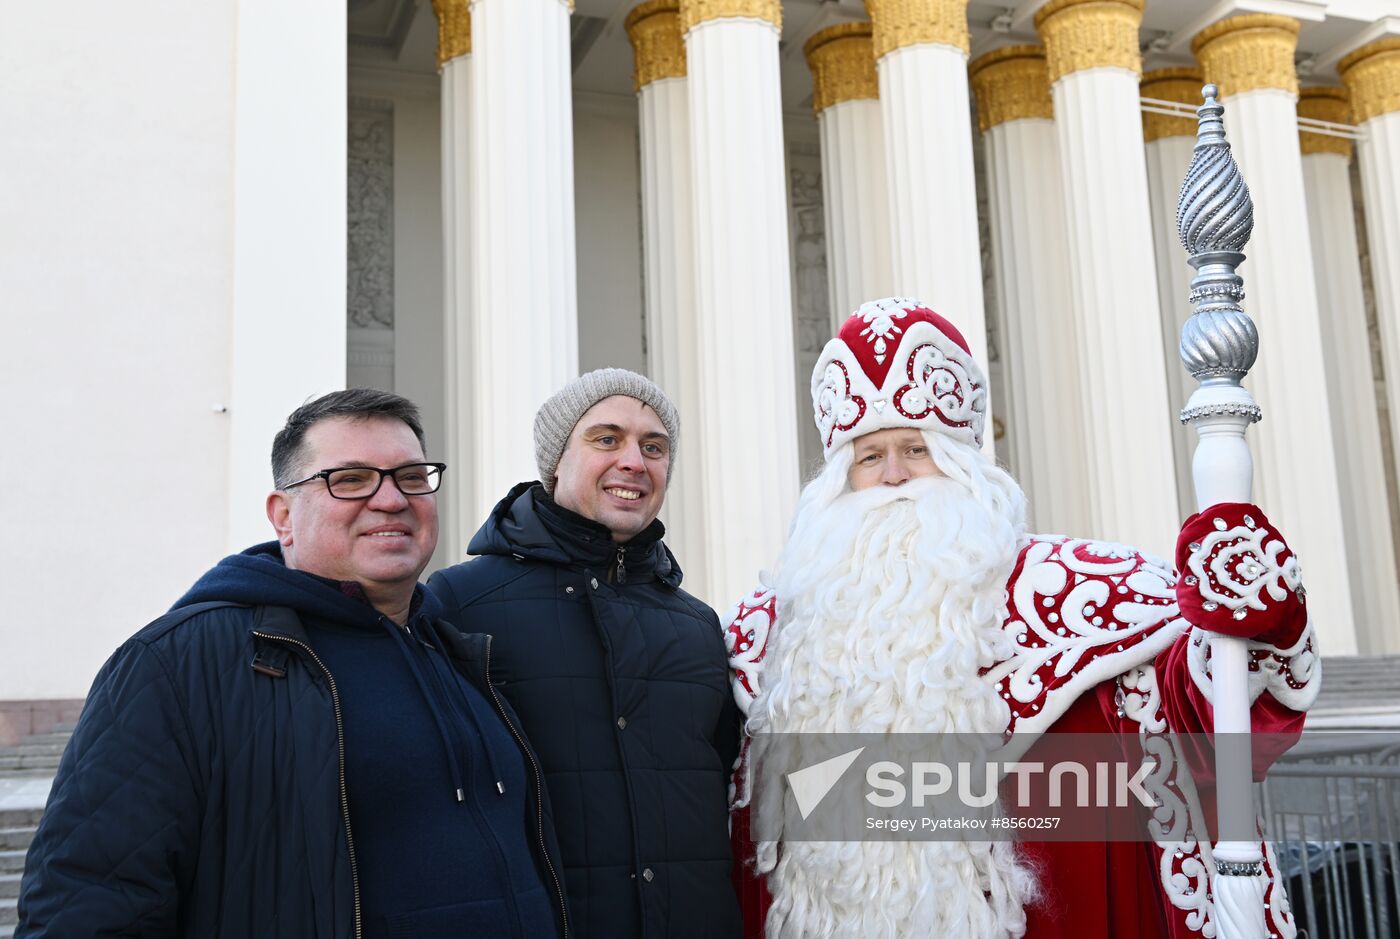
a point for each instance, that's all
(1085, 34)
(695, 12)
(900, 23)
(842, 60)
(1182, 85)
(1011, 84)
(1326, 103)
(1372, 77)
(454, 20)
(658, 48)
(1248, 52)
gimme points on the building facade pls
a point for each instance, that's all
(216, 211)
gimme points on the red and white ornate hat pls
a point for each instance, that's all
(896, 363)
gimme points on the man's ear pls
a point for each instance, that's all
(279, 513)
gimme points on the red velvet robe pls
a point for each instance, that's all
(1100, 648)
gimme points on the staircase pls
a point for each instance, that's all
(16, 831)
(1359, 693)
(25, 773)
(37, 755)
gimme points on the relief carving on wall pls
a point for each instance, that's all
(370, 215)
(811, 299)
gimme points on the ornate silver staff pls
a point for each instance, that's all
(1215, 217)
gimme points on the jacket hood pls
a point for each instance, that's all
(527, 523)
(260, 577)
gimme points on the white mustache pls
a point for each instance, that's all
(864, 500)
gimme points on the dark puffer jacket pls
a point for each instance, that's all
(204, 791)
(621, 682)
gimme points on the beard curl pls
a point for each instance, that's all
(890, 603)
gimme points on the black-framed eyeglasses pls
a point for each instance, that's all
(362, 482)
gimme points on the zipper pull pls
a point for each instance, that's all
(621, 566)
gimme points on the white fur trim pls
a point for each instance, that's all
(1293, 675)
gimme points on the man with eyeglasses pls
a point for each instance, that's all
(301, 748)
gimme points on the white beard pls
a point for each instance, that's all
(890, 603)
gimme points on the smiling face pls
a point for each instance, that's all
(382, 542)
(614, 467)
(890, 457)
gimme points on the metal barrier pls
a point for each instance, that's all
(1332, 810)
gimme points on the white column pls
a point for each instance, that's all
(921, 50)
(1297, 482)
(1346, 348)
(668, 255)
(1044, 416)
(524, 292)
(743, 292)
(1092, 49)
(1372, 75)
(288, 235)
(1169, 144)
(460, 512)
(846, 98)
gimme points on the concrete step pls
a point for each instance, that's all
(15, 839)
(7, 932)
(20, 818)
(29, 747)
(65, 727)
(12, 862)
(41, 740)
(9, 914)
(9, 886)
(26, 762)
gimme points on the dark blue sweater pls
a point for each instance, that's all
(437, 785)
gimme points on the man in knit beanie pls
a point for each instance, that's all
(618, 675)
(557, 417)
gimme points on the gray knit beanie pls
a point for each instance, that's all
(558, 416)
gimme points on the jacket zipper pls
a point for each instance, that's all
(340, 744)
(621, 566)
(539, 789)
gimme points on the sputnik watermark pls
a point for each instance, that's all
(1071, 787)
(931, 780)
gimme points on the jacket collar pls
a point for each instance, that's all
(528, 524)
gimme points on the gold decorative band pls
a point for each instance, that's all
(1372, 76)
(658, 48)
(694, 12)
(900, 23)
(1324, 104)
(842, 60)
(454, 29)
(1244, 53)
(1085, 34)
(1182, 85)
(1011, 84)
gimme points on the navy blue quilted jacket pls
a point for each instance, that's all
(202, 794)
(621, 681)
